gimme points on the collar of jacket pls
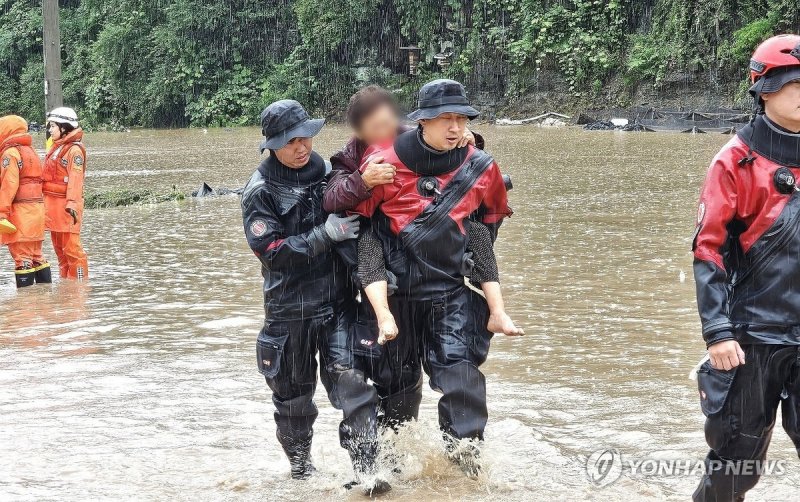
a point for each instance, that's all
(424, 160)
(312, 173)
(23, 139)
(75, 136)
(771, 141)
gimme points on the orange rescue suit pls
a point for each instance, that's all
(21, 200)
(64, 169)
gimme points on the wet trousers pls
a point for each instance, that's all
(394, 368)
(26, 254)
(286, 354)
(452, 342)
(741, 407)
(72, 260)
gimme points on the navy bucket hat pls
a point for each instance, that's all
(284, 120)
(442, 96)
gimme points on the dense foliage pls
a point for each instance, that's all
(217, 62)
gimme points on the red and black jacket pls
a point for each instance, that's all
(747, 241)
(346, 188)
(421, 216)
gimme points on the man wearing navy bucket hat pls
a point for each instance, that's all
(418, 232)
(308, 297)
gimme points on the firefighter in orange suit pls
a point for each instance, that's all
(64, 168)
(21, 202)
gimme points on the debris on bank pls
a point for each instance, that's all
(636, 126)
(694, 130)
(600, 125)
(144, 196)
(549, 119)
(643, 118)
(130, 197)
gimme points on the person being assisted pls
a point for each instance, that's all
(308, 296)
(418, 234)
(746, 245)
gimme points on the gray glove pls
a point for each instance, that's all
(340, 229)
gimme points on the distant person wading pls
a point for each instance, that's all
(64, 171)
(21, 202)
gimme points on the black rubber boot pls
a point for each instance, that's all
(364, 458)
(298, 451)
(25, 275)
(465, 454)
(43, 274)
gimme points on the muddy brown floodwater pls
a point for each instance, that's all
(143, 384)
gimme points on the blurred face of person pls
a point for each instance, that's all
(54, 130)
(379, 126)
(296, 153)
(444, 132)
(783, 106)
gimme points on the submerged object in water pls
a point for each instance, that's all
(205, 190)
(6, 227)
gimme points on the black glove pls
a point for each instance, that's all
(74, 215)
(340, 229)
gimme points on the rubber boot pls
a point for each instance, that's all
(25, 275)
(465, 454)
(298, 451)
(43, 273)
(364, 458)
(718, 484)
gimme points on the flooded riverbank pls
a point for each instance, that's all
(142, 385)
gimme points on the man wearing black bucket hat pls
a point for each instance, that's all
(745, 247)
(308, 297)
(418, 224)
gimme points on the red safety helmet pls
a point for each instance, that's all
(780, 51)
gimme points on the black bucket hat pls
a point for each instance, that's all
(284, 120)
(442, 96)
(775, 80)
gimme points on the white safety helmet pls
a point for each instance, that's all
(63, 115)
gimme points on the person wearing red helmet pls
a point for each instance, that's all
(745, 246)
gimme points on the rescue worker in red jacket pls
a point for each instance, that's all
(374, 116)
(21, 202)
(64, 171)
(421, 222)
(746, 246)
